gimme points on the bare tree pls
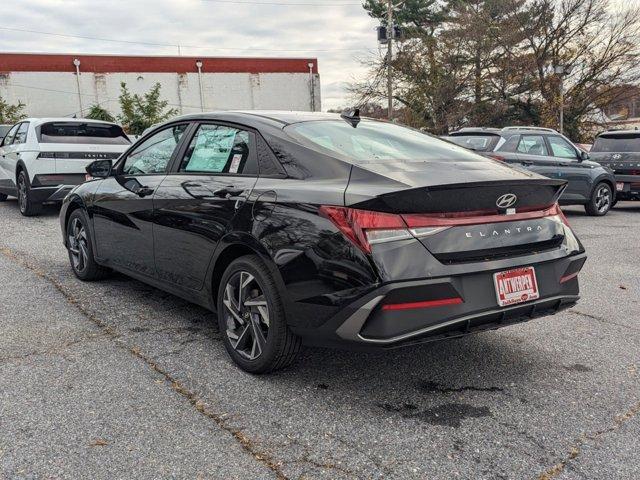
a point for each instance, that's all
(490, 62)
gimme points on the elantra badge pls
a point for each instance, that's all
(507, 200)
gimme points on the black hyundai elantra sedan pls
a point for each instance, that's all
(334, 230)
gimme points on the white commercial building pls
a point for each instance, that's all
(54, 85)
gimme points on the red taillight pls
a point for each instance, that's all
(426, 304)
(475, 218)
(365, 228)
(354, 224)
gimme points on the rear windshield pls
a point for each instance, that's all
(79, 132)
(480, 143)
(375, 142)
(617, 143)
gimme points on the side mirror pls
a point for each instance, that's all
(583, 155)
(99, 169)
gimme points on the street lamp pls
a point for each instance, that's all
(562, 71)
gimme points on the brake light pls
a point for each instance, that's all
(365, 228)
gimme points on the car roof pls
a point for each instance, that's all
(276, 117)
(506, 131)
(40, 121)
(620, 132)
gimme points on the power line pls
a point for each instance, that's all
(176, 45)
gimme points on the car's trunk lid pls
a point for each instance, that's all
(496, 213)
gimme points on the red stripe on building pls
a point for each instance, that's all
(33, 62)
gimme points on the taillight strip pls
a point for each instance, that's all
(435, 220)
(426, 304)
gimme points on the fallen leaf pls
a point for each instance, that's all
(98, 443)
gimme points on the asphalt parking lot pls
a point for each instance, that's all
(119, 380)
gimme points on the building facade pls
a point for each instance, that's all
(69, 85)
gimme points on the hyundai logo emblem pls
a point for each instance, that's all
(507, 200)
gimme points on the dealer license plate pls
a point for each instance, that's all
(516, 286)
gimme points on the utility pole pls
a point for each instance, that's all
(390, 35)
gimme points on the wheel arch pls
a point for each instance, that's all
(231, 247)
(73, 203)
(604, 178)
(20, 166)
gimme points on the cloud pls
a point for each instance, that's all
(336, 35)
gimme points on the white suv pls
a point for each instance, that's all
(42, 159)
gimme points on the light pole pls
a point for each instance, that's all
(562, 71)
(199, 67)
(390, 35)
(76, 63)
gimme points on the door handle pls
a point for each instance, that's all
(228, 192)
(565, 164)
(144, 191)
(527, 163)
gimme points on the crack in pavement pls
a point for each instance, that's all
(245, 442)
(601, 320)
(576, 449)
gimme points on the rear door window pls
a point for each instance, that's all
(532, 145)
(82, 133)
(220, 149)
(561, 148)
(152, 156)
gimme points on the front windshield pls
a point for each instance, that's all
(376, 142)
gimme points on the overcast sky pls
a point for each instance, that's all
(337, 32)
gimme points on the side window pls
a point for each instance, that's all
(8, 139)
(510, 145)
(153, 155)
(21, 134)
(561, 148)
(219, 149)
(532, 145)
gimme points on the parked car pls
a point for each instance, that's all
(547, 152)
(325, 229)
(42, 159)
(619, 150)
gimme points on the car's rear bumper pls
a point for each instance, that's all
(366, 324)
(628, 187)
(52, 188)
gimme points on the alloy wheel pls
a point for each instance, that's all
(603, 199)
(246, 315)
(78, 245)
(22, 193)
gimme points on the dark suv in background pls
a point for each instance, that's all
(619, 150)
(546, 152)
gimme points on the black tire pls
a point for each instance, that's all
(80, 248)
(277, 346)
(3, 197)
(601, 200)
(27, 206)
